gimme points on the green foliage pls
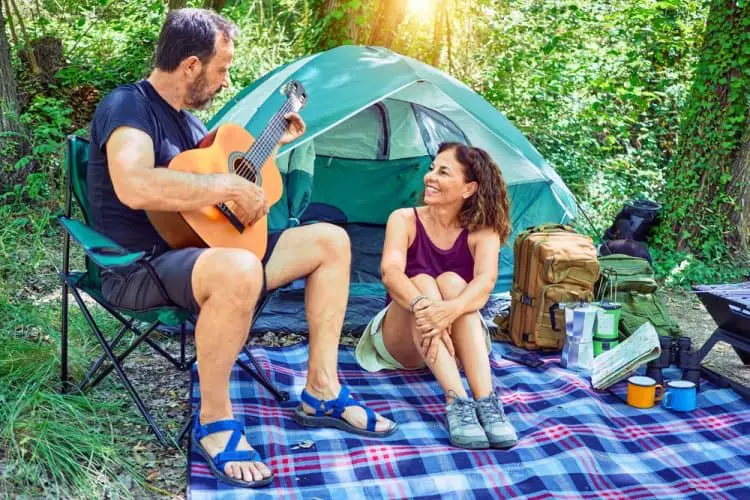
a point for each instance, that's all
(713, 126)
(46, 121)
(50, 454)
(683, 269)
(334, 26)
(105, 47)
(597, 87)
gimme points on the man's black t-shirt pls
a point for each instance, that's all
(139, 106)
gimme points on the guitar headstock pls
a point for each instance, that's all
(295, 92)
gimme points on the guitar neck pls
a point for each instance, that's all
(263, 147)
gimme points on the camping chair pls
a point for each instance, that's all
(103, 253)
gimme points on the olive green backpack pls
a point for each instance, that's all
(630, 282)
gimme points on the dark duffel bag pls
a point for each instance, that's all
(634, 221)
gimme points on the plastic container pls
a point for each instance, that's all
(607, 327)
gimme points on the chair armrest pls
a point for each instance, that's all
(104, 252)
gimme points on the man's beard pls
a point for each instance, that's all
(199, 95)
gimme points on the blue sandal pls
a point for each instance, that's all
(230, 453)
(322, 418)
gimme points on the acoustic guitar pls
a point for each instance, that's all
(230, 149)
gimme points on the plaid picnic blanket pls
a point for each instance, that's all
(573, 442)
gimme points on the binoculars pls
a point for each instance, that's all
(676, 352)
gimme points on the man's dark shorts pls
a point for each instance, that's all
(135, 288)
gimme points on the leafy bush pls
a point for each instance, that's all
(597, 87)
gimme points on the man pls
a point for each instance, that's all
(144, 125)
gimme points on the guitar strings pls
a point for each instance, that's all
(277, 126)
(251, 159)
(264, 144)
(247, 163)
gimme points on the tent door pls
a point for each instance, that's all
(384, 149)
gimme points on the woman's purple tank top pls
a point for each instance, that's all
(423, 257)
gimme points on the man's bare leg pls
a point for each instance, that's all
(400, 322)
(321, 252)
(226, 285)
(468, 339)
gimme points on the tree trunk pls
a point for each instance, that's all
(13, 34)
(10, 137)
(389, 17)
(216, 5)
(49, 56)
(448, 38)
(341, 27)
(706, 194)
(437, 33)
(176, 4)
(739, 189)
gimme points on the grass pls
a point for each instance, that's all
(53, 444)
(61, 444)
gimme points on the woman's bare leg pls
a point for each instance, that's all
(468, 339)
(399, 322)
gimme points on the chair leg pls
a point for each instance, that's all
(261, 376)
(258, 374)
(64, 276)
(98, 363)
(135, 330)
(120, 372)
(183, 334)
(185, 428)
(142, 336)
(64, 341)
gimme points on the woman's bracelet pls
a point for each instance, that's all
(414, 302)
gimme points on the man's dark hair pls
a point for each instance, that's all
(190, 32)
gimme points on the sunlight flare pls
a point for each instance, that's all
(422, 9)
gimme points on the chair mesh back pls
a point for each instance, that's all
(77, 161)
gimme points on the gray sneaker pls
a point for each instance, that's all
(463, 427)
(500, 431)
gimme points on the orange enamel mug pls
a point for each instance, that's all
(644, 392)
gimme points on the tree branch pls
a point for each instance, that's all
(9, 18)
(26, 41)
(448, 37)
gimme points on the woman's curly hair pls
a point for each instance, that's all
(489, 207)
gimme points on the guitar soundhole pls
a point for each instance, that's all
(244, 168)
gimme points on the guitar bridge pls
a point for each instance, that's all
(231, 217)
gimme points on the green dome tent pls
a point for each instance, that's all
(374, 120)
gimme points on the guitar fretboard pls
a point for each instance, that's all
(259, 152)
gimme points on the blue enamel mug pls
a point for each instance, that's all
(679, 395)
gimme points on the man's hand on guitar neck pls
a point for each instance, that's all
(296, 128)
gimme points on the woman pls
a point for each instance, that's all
(439, 266)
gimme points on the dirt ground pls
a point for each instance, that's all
(696, 323)
(166, 390)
